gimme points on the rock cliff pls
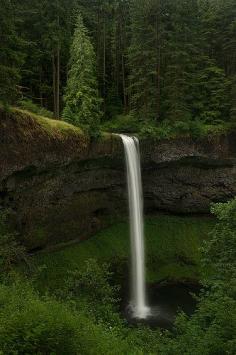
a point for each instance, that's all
(61, 186)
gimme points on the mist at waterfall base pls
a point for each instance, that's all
(163, 301)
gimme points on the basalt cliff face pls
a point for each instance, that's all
(61, 186)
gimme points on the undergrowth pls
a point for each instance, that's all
(172, 245)
(166, 129)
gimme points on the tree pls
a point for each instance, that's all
(11, 55)
(82, 102)
(211, 88)
(144, 58)
(47, 27)
(181, 48)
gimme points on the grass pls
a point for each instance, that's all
(172, 245)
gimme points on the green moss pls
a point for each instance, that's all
(172, 245)
(49, 125)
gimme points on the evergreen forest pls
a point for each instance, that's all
(132, 65)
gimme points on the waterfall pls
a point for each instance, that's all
(138, 304)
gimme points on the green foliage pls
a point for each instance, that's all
(30, 324)
(82, 98)
(169, 129)
(158, 60)
(93, 282)
(166, 129)
(11, 55)
(85, 320)
(91, 289)
(143, 58)
(233, 100)
(28, 105)
(211, 93)
(172, 245)
(122, 123)
(220, 251)
(212, 329)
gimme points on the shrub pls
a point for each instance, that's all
(30, 324)
(92, 282)
(29, 105)
(91, 288)
(122, 124)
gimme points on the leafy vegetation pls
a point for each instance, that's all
(30, 106)
(171, 245)
(82, 316)
(166, 129)
(212, 329)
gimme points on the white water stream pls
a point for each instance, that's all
(138, 304)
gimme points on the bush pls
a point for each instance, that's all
(30, 324)
(91, 289)
(92, 282)
(122, 124)
(29, 105)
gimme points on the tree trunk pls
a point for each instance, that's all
(40, 87)
(56, 82)
(158, 61)
(123, 83)
(54, 85)
(104, 63)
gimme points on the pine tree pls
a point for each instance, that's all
(48, 28)
(11, 56)
(211, 93)
(82, 99)
(233, 99)
(117, 100)
(144, 57)
(181, 49)
(211, 86)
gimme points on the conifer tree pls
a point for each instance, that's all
(82, 102)
(143, 57)
(11, 56)
(211, 92)
(181, 49)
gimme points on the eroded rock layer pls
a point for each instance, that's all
(60, 186)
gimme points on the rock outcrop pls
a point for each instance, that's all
(60, 186)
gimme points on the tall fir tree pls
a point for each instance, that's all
(82, 101)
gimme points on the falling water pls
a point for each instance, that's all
(138, 303)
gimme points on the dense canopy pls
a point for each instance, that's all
(155, 61)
